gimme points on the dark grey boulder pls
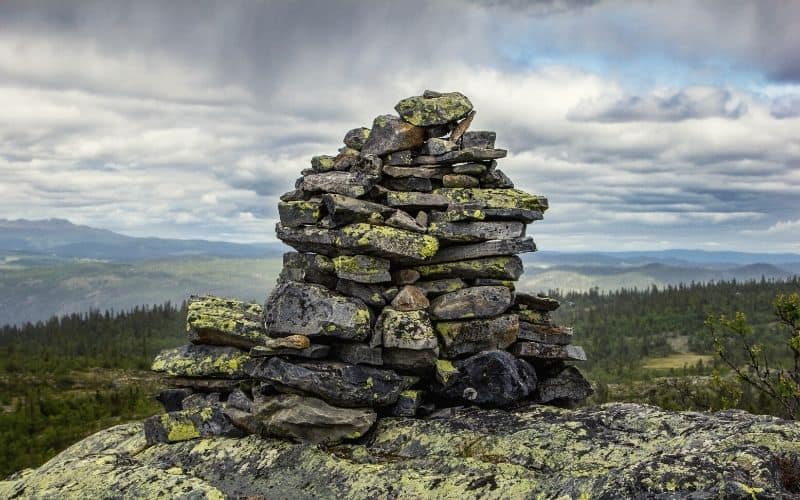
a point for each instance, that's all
(315, 311)
(568, 386)
(476, 231)
(484, 249)
(389, 134)
(468, 337)
(340, 384)
(491, 379)
(473, 302)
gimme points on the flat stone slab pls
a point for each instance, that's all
(478, 139)
(438, 287)
(205, 384)
(362, 268)
(382, 241)
(484, 249)
(201, 361)
(461, 156)
(410, 360)
(536, 350)
(227, 322)
(344, 210)
(536, 302)
(316, 351)
(299, 213)
(421, 172)
(476, 231)
(405, 330)
(315, 311)
(390, 134)
(545, 334)
(344, 183)
(339, 384)
(500, 267)
(493, 198)
(308, 267)
(473, 302)
(468, 337)
(359, 354)
(415, 201)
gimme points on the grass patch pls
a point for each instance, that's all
(676, 361)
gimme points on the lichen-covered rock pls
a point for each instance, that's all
(490, 378)
(536, 302)
(345, 210)
(568, 386)
(309, 268)
(617, 450)
(201, 361)
(484, 249)
(315, 311)
(545, 334)
(460, 181)
(507, 267)
(390, 134)
(478, 139)
(415, 201)
(410, 298)
(407, 404)
(476, 231)
(362, 268)
(298, 213)
(345, 183)
(494, 198)
(438, 287)
(359, 354)
(189, 424)
(405, 330)
(339, 384)
(434, 108)
(469, 337)
(220, 321)
(473, 302)
(356, 138)
(536, 350)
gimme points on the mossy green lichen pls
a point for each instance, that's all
(427, 111)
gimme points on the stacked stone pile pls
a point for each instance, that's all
(399, 301)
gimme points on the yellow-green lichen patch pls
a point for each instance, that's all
(502, 267)
(201, 361)
(390, 241)
(445, 370)
(494, 198)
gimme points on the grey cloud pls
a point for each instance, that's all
(786, 106)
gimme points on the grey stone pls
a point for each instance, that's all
(295, 195)
(434, 108)
(340, 384)
(410, 360)
(501, 267)
(408, 184)
(239, 400)
(483, 139)
(496, 179)
(410, 298)
(470, 155)
(390, 134)
(362, 268)
(474, 302)
(405, 157)
(322, 163)
(436, 146)
(372, 295)
(359, 354)
(520, 214)
(493, 198)
(188, 424)
(407, 404)
(468, 337)
(345, 210)
(172, 399)
(405, 330)
(438, 287)
(568, 386)
(536, 302)
(458, 213)
(545, 334)
(470, 169)
(490, 378)
(422, 218)
(226, 322)
(460, 181)
(536, 350)
(299, 213)
(311, 420)
(356, 138)
(314, 311)
(308, 268)
(484, 249)
(420, 172)
(476, 231)
(315, 351)
(201, 361)
(402, 220)
(415, 201)
(344, 183)
(199, 400)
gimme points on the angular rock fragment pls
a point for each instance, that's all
(536, 350)
(468, 337)
(349, 386)
(239, 400)
(356, 138)
(410, 298)
(362, 268)
(545, 334)
(405, 329)
(569, 386)
(501, 267)
(484, 249)
(188, 424)
(493, 198)
(402, 220)
(461, 128)
(483, 139)
(445, 371)
(314, 311)
(344, 183)
(434, 108)
(309, 268)
(476, 231)
(299, 213)
(437, 146)
(201, 361)
(359, 354)
(496, 179)
(220, 321)
(474, 302)
(490, 378)
(536, 302)
(344, 210)
(390, 134)
(438, 287)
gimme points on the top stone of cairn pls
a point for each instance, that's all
(434, 108)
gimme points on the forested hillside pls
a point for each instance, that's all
(67, 377)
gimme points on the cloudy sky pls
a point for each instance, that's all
(648, 125)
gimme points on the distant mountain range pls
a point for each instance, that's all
(55, 267)
(62, 239)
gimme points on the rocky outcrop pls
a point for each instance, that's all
(613, 451)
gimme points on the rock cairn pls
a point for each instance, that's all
(399, 301)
